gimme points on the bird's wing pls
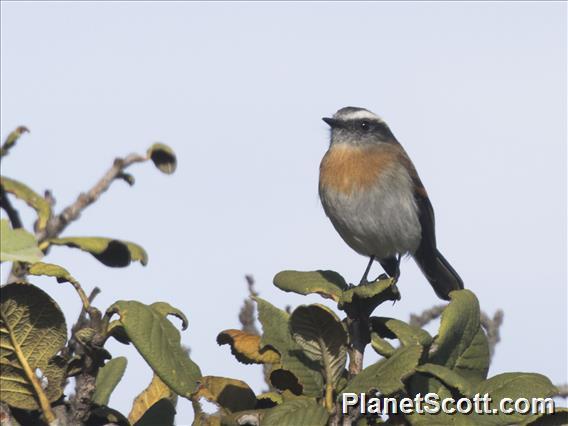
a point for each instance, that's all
(425, 213)
(425, 210)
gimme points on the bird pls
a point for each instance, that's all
(371, 192)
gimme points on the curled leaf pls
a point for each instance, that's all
(268, 399)
(461, 344)
(166, 309)
(246, 347)
(162, 413)
(163, 157)
(364, 298)
(231, 394)
(395, 329)
(110, 252)
(51, 270)
(381, 346)
(155, 391)
(30, 197)
(322, 337)
(328, 284)
(12, 139)
(276, 334)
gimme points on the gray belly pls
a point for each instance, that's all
(382, 221)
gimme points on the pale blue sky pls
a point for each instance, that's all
(476, 93)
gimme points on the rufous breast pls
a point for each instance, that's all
(347, 169)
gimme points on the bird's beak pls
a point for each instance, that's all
(331, 121)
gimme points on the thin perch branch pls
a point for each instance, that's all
(71, 213)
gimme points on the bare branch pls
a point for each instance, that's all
(562, 390)
(491, 327)
(57, 224)
(426, 316)
(247, 313)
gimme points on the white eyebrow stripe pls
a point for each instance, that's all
(361, 114)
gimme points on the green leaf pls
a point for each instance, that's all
(461, 344)
(395, 329)
(32, 331)
(301, 411)
(276, 335)
(514, 386)
(107, 379)
(231, 394)
(31, 198)
(163, 157)
(364, 298)
(12, 139)
(17, 245)
(51, 270)
(381, 346)
(449, 377)
(159, 343)
(113, 253)
(387, 375)
(323, 338)
(328, 284)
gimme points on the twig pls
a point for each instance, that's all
(80, 402)
(562, 390)
(426, 316)
(247, 313)
(247, 318)
(84, 299)
(58, 223)
(81, 321)
(491, 327)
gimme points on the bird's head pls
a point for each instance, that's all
(359, 127)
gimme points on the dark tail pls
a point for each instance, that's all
(439, 273)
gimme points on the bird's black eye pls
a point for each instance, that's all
(364, 125)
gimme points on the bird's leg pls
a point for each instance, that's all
(364, 279)
(397, 270)
(397, 274)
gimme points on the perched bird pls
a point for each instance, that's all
(374, 198)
